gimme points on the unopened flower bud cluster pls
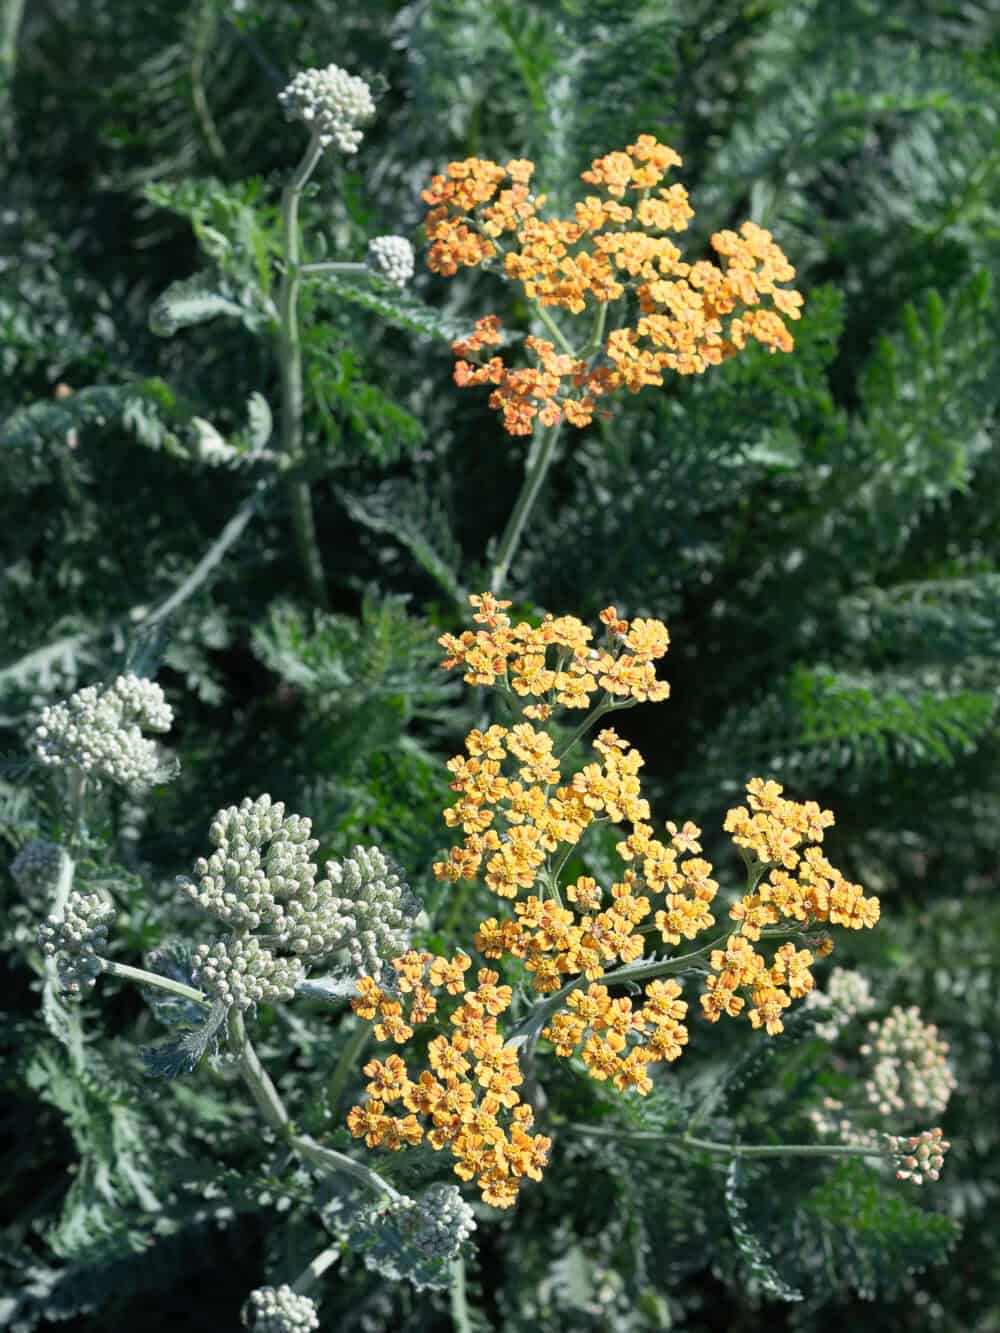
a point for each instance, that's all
(239, 972)
(100, 732)
(36, 868)
(909, 1071)
(848, 994)
(77, 939)
(331, 103)
(392, 258)
(262, 859)
(377, 909)
(437, 1224)
(261, 878)
(279, 1310)
(919, 1157)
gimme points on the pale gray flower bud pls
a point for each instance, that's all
(391, 257)
(443, 1222)
(331, 103)
(909, 1074)
(279, 1310)
(77, 938)
(381, 907)
(36, 868)
(847, 993)
(239, 972)
(261, 861)
(100, 732)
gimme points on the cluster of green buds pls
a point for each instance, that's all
(437, 1224)
(908, 1069)
(919, 1157)
(391, 257)
(100, 732)
(239, 972)
(279, 1310)
(261, 878)
(36, 868)
(77, 939)
(331, 103)
(848, 994)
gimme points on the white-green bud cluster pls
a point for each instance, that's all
(391, 257)
(261, 860)
(36, 868)
(279, 1310)
(331, 103)
(377, 906)
(848, 994)
(77, 938)
(100, 732)
(908, 1069)
(438, 1223)
(919, 1157)
(241, 973)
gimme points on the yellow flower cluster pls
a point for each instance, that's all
(801, 886)
(554, 662)
(656, 1028)
(690, 316)
(467, 1098)
(551, 662)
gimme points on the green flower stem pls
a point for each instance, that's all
(525, 1036)
(331, 1160)
(458, 1299)
(606, 707)
(730, 1149)
(313, 1271)
(555, 330)
(256, 1077)
(334, 267)
(272, 1108)
(524, 505)
(143, 978)
(290, 359)
(349, 1057)
(597, 333)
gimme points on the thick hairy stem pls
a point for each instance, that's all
(290, 359)
(143, 978)
(334, 267)
(331, 1160)
(272, 1108)
(525, 503)
(313, 1271)
(256, 1077)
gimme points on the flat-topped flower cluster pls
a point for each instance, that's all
(468, 1095)
(521, 816)
(688, 317)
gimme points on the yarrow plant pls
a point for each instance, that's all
(522, 815)
(611, 975)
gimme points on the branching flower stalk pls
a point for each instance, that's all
(521, 814)
(615, 248)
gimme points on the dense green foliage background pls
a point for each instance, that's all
(820, 531)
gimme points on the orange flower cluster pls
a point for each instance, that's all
(468, 1096)
(772, 832)
(655, 1027)
(554, 661)
(690, 316)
